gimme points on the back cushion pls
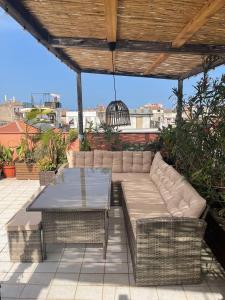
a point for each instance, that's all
(185, 201)
(147, 161)
(107, 159)
(89, 159)
(117, 165)
(137, 161)
(157, 173)
(118, 161)
(80, 159)
(169, 181)
(127, 161)
(137, 165)
(154, 165)
(98, 158)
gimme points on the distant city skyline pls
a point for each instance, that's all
(27, 67)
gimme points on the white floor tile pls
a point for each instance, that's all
(34, 291)
(62, 292)
(69, 267)
(90, 293)
(144, 293)
(11, 290)
(91, 279)
(93, 268)
(65, 279)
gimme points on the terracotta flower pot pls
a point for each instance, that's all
(9, 171)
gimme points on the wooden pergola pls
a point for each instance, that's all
(154, 39)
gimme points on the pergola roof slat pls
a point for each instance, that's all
(209, 9)
(27, 21)
(166, 39)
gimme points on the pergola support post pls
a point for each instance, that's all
(179, 117)
(179, 102)
(80, 107)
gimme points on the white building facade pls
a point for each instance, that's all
(88, 116)
(142, 119)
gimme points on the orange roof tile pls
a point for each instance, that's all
(18, 127)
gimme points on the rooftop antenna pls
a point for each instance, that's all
(32, 100)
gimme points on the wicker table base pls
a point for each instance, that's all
(86, 227)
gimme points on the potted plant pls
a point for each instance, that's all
(26, 167)
(50, 154)
(47, 170)
(8, 162)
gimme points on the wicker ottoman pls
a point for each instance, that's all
(24, 237)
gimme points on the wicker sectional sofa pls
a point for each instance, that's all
(162, 214)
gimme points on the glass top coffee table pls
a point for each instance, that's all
(75, 207)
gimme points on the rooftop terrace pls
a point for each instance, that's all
(80, 273)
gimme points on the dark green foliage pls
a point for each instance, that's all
(110, 135)
(198, 149)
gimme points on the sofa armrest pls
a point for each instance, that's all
(172, 238)
(171, 227)
(168, 251)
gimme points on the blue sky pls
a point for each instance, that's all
(27, 67)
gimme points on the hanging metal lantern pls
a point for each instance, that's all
(117, 113)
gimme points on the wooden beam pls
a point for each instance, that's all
(133, 74)
(161, 58)
(200, 19)
(111, 19)
(206, 12)
(16, 10)
(80, 107)
(137, 46)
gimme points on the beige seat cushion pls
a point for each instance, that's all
(24, 220)
(142, 192)
(119, 177)
(143, 201)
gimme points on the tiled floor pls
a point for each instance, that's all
(81, 273)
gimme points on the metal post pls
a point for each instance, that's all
(179, 119)
(179, 102)
(80, 107)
